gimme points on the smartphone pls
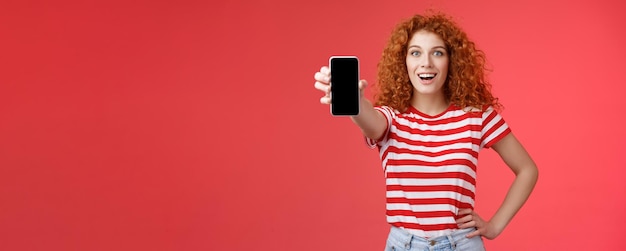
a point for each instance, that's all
(344, 85)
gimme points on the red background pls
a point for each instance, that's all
(194, 125)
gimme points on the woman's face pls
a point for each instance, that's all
(427, 63)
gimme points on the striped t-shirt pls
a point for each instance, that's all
(430, 164)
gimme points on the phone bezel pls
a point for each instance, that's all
(358, 79)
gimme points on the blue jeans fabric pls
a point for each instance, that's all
(401, 240)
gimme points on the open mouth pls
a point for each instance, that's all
(426, 76)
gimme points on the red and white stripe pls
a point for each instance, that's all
(430, 164)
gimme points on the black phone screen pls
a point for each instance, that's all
(344, 85)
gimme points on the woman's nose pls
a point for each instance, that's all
(426, 62)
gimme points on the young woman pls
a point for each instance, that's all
(433, 113)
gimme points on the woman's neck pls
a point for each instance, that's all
(433, 104)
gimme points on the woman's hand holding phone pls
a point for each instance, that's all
(322, 83)
(371, 122)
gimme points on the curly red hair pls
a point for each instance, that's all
(465, 86)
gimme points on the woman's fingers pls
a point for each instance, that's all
(473, 234)
(326, 89)
(325, 100)
(465, 211)
(362, 84)
(322, 83)
(325, 70)
(464, 219)
(322, 87)
(321, 77)
(467, 225)
(470, 219)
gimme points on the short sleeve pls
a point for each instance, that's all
(389, 114)
(494, 128)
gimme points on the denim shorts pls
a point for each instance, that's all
(401, 240)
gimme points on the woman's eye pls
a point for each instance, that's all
(438, 53)
(415, 53)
